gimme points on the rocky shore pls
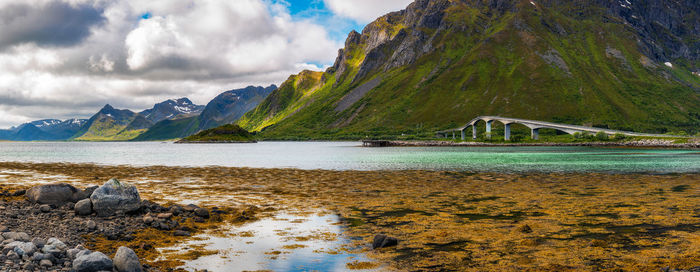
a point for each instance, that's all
(48, 227)
(655, 143)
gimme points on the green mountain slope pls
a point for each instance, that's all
(170, 129)
(440, 63)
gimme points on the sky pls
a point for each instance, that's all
(67, 58)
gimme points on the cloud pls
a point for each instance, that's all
(365, 11)
(67, 58)
(52, 23)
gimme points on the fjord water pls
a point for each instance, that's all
(351, 156)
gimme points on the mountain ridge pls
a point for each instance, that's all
(444, 62)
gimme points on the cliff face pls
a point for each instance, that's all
(623, 64)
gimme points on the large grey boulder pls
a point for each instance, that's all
(23, 248)
(95, 261)
(53, 194)
(126, 260)
(115, 197)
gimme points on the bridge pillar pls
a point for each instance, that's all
(453, 135)
(488, 129)
(464, 134)
(507, 128)
(535, 134)
(474, 132)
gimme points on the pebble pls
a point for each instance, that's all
(91, 225)
(45, 208)
(165, 215)
(147, 219)
(46, 263)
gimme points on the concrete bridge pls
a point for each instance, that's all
(534, 126)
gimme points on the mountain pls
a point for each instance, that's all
(631, 65)
(225, 108)
(43, 130)
(229, 106)
(171, 109)
(108, 124)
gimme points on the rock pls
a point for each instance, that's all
(147, 219)
(38, 242)
(95, 261)
(202, 212)
(181, 233)
(83, 207)
(51, 249)
(52, 194)
(25, 248)
(176, 210)
(45, 263)
(45, 208)
(115, 196)
(17, 236)
(525, 229)
(381, 241)
(84, 194)
(126, 260)
(164, 215)
(4, 229)
(71, 253)
(38, 256)
(91, 225)
(190, 207)
(57, 243)
(12, 255)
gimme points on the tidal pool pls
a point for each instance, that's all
(284, 242)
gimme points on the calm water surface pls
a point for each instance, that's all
(350, 156)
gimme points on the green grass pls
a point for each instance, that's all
(225, 133)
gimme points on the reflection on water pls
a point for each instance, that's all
(282, 243)
(350, 156)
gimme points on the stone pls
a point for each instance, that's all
(95, 261)
(382, 241)
(4, 229)
(202, 212)
(71, 253)
(57, 243)
(114, 197)
(84, 194)
(525, 229)
(38, 256)
(51, 249)
(83, 207)
(181, 233)
(46, 263)
(164, 215)
(82, 252)
(17, 236)
(190, 207)
(176, 210)
(126, 260)
(12, 255)
(91, 225)
(24, 248)
(45, 208)
(147, 219)
(52, 194)
(38, 242)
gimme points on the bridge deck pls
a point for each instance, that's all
(535, 125)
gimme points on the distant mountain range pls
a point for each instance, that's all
(170, 119)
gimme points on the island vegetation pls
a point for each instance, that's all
(224, 134)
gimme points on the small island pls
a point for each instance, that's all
(224, 134)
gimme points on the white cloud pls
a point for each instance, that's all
(186, 48)
(365, 11)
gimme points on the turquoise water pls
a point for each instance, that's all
(351, 156)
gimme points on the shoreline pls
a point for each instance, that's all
(642, 143)
(444, 219)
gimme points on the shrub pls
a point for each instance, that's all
(601, 136)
